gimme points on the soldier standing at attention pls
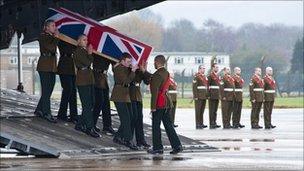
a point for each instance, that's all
(85, 84)
(256, 88)
(141, 74)
(227, 95)
(214, 92)
(200, 95)
(160, 108)
(102, 100)
(66, 71)
(269, 95)
(173, 95)
(47, 68)
(124, 74)
(238, 100)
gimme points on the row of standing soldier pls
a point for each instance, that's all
(229, 89)
(74, 69)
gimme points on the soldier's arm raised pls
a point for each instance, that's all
(46, 40)
(147, 77)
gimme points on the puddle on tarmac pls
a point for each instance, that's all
(240, 140)
(154, 158)
(10, 166)
(246, 149)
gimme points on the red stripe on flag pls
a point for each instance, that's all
(131, 50)
(94, 37)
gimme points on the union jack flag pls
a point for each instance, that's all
(105, 40)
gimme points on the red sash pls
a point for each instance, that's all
(161, 96)
(203, 79)
(270, 81)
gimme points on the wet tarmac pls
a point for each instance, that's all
(241, 149)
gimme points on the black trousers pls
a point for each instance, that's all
(137, 108)
(124, 110)
(164, 116)
(213, 105)
(87, 98)
(237, 110)
(102, 103)
(172, 111)
(68, 96)
(47, 81)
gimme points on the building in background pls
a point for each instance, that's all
(9, 66)
(189, 61)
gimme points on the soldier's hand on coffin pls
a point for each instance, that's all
(253, 101)
(90, 49)
(224, 98)
(56, 33)
(142, 67)
(134, 67)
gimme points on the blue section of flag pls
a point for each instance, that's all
(51, 13)
(139, 49)
(72, 30)
(111, 49)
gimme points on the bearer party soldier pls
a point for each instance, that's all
(102, 100)
(141, 75)
(47, 68)
(67, 75)
(85, 84)
(124, 73)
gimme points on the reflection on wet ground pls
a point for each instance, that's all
(242, 149)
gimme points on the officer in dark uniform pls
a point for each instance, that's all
(123, 76)
(172, 92)
(85, 84)
(160, 108)
(141, 75)
(269, 96)
(47, 67)
(214, 92)
(256, 88)
(227, 97)
(200, 95)
(238, 100)
(102, 100)
(67, 75)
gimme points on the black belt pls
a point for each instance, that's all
(123, 85)
(83, 68)
(66, 55)
(48, 54)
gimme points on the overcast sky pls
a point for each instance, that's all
(232, 13)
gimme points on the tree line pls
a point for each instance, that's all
(250, 45)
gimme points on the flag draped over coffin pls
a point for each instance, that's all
(105, 40)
